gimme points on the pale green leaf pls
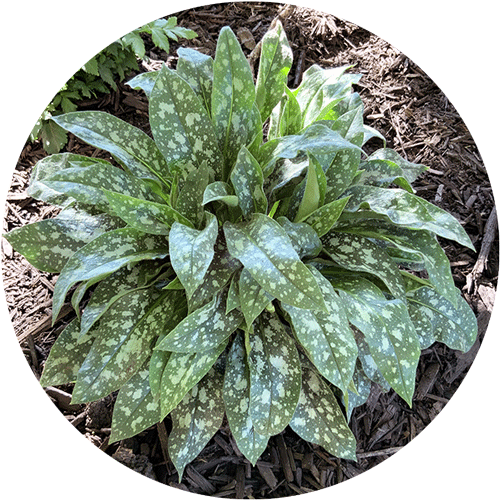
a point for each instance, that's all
(314, 190)
(144, 82)
(411, 170)
(275, 375)
(319, 418)
(236, 396)
(266, 251)
(197, 418)
(192, 251)
(286, 117)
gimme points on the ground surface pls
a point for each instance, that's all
(421, 124)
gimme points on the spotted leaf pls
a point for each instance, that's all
(274, 375)
(66, 356)
(104, 255)
(182, 372)
(134, 149)
(410, 170)
(192, 251)
(407, 210)
(148, 216)
(134, 409)
(324, 218)
(265, 250)
(252, 297)
(437, 319)
(122, 344)
(357, 253)
(181, 126)
(236, 395)
(220, 191)
(203, 329)
(144, 82)
(319, 418)
(314, 190)
(286, 117)
(326, 337)
(48, 244)
(195, 420)
(388, 331)
(233, 97)
(275, 63)
(247, 180)
(304, 239)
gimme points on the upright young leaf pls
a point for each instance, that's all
(319, 418)
(275, 63)
(135, 150)
(236, 394)
(181, 125)
(233, 97)
(66, 356)
(219, 191)
(248, 182)
(104, 255)
(286, 117)
(134, 409)
(314, 190)
(267, 253)
(197, 418)
(191, 252)
(327, 337)
(122, 344)
(275, 375)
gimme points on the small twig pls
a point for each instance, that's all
(379, 453)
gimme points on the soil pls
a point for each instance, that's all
(421, 124)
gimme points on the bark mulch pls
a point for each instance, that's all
(421, 124)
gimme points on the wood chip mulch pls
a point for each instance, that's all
(421, 124)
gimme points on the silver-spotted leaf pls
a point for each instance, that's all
(319, 418)
(304, 239)
(266, 251)
(275, 375)
(324, 218)
(236, 396)
(220, 191)
(252, 297)
(195, 420)
(104, 255)
(411, 170)
(327, 337)
(192, 251)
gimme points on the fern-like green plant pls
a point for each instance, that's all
(100, 74)
(271, 278)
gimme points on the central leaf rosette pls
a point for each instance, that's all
(270, 277)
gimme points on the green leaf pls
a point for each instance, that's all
(253, 298)
(275, 63)
(388, 331)
(181, 126)
(182, 372)
(192, 251)
(48, 244)
(314, 191)
(267, 253)
(411, 170)
(275, 376)
(326, 337)
(437, 319)
(122, 344)
(324, 218)
(248, 181)
(236, 396)
(144, 82)
(319, 418)
(407, 210)
(233, 97)
(357, 253)
(135, 150)
(204, 329)
(53, 137)
(219, 191)
(134, 409)
(159, 38)
(147, 216)
(198, 70)
(197, 418)
(286, 117)
(117, 284)
(304, 239)
(363, 386)
(134, 40)
(66, 356)
(382, 173)
(104, 255)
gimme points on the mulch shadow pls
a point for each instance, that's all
(419, 122)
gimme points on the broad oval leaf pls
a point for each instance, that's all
(265, 250)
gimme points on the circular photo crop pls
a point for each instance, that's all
(250, 250)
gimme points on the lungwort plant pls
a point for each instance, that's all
(250, 260)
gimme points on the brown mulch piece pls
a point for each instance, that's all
(421, 124)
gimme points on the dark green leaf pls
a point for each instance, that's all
(220, 191)
(304, 239)
(253, 298)
(324, 218)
